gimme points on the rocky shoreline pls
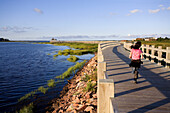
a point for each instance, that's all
(79, 95)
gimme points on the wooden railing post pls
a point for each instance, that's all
(147, 52)
(167, 57)
(159, 55)
(100, 70)
(152, 53)
(106, 86)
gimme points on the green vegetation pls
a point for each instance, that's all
(51, 83)
(90, 77)
(74, 52)
(83, 48)
(27, 109)
(71, 70)
(77, 45)
(90, 87)
(42, 89)
(164, 42)
(27, 95)
(72, 58)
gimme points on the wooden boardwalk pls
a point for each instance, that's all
(150, 95)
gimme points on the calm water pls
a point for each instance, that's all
(25, 66)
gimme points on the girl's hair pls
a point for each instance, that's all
(137, 45)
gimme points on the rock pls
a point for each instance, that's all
(80, 84)
(88, 95)
(70, 108)
(94, 103)
(94, 96)
(74, 97)
(61, 111)
(90, 100)
(89, 108)
(77, 100)
(81, 108)
(75, 105)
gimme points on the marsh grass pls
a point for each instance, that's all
(77, 45)
(42, 89)
(27, 95)
(72, 58)
(71, 70)
(51, 83)
(74, 52)
(90, 87)
(27, 109)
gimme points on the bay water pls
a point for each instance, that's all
(25, 66)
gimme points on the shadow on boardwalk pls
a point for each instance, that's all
(154, 78)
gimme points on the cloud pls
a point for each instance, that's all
(168, 8)
(134, 11)
(14, 29)
(154, 11)
(38, 10)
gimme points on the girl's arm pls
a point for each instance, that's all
(130, 56)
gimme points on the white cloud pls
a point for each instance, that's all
(15, 29)
(135, 11)
(168, 8)
(38, 10)
(154, 11)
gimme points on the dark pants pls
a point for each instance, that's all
(135, 72)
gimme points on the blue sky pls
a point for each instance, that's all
(84, 19)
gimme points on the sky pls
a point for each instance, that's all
(84, 19)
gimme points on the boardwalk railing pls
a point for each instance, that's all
(158, 55)
(105, 91)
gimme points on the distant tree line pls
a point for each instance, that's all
(163, 39)
(4, 40)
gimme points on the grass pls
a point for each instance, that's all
(70, 70)
(90, 87)
(77, 45)
(27, 109)
(164, 44)
(92, 77)
(74, 52)
(42, 89)
(27, 95)
(84, 48)
(51, 83)
(72, 58)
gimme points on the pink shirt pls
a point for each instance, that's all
(136, 54)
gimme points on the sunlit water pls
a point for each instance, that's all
(24, 67)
